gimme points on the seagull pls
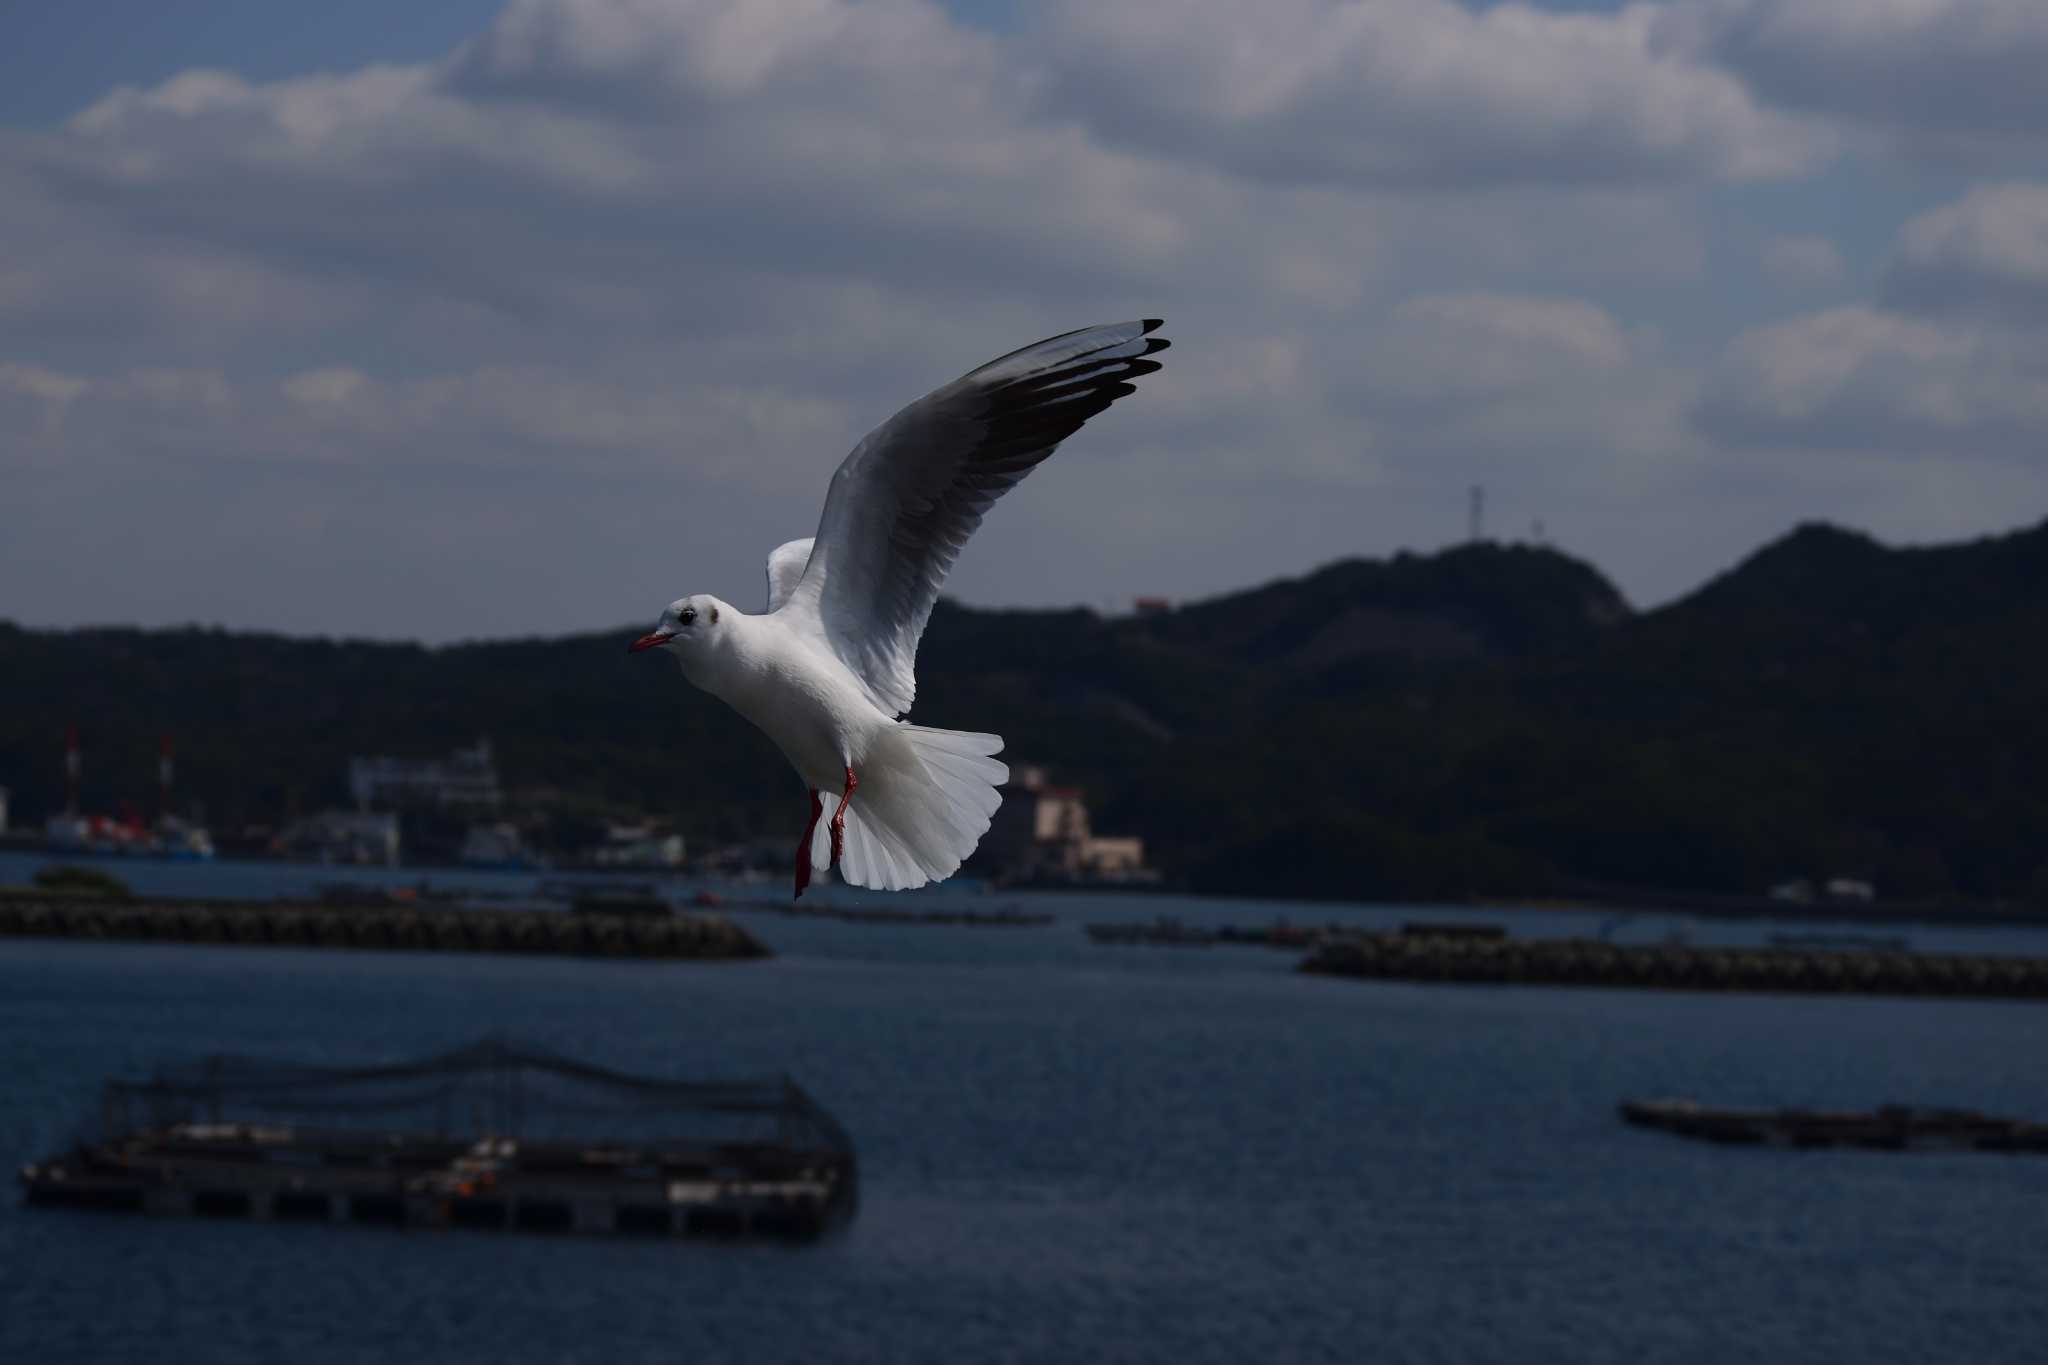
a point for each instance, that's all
(828, 670)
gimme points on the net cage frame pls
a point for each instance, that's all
(493, 1088)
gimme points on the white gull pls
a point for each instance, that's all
(828, 670)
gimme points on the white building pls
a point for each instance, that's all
(495, 845)
(467, 777)
(638, 846)
(1042, 833)
(343, 836)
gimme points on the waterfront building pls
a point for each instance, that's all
(638, 846)
(1042, 832)
(498, 844)
(466, 778)
(342, 836)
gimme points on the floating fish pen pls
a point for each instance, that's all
(1892, 1127)
(1591, 962)
(487, 1136)
(400, 927)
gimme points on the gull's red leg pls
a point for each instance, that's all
(803, 847)
(839, 817)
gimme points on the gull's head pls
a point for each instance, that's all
(685, 624)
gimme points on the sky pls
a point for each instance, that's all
(493, 319)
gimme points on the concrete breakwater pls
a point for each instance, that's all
(1009, 917)
(407, 928)
(1891, 1128)
(1588, 962)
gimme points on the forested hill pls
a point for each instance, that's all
(1489, 720)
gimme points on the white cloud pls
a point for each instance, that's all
(1940, 385)
(500, 180)
(1412, 92)
(583, 314)
(328, 388)
(1804, 262)
(1987, 252)
(1941, 78)
(44, 386)
(1999, 230)
(34, 402)
(1549, 401)
(1864, 378)
(1458, 348)
(762, 435)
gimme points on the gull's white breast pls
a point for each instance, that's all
(798, 693)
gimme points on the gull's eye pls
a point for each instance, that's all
(688, 615)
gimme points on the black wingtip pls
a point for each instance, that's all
(1150, 324)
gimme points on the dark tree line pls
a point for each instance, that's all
(1489, 720)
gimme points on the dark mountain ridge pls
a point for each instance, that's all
(1487, 720)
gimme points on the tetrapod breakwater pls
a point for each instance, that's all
(1591, 962)
(391, 928)
(1889, 1128)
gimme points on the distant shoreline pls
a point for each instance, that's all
(1594, 899)
(1581, 897)
(1723, 905)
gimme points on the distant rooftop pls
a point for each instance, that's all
(468, 777)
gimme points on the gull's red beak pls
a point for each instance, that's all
(653, 641)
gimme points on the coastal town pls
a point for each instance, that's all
(457, 809)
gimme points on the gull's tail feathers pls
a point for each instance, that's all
(925, 799)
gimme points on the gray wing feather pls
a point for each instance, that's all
(909, 495)
(785, 567)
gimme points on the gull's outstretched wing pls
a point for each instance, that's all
(785, 566)
(910, 494)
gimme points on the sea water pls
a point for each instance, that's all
(1079, 1152)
